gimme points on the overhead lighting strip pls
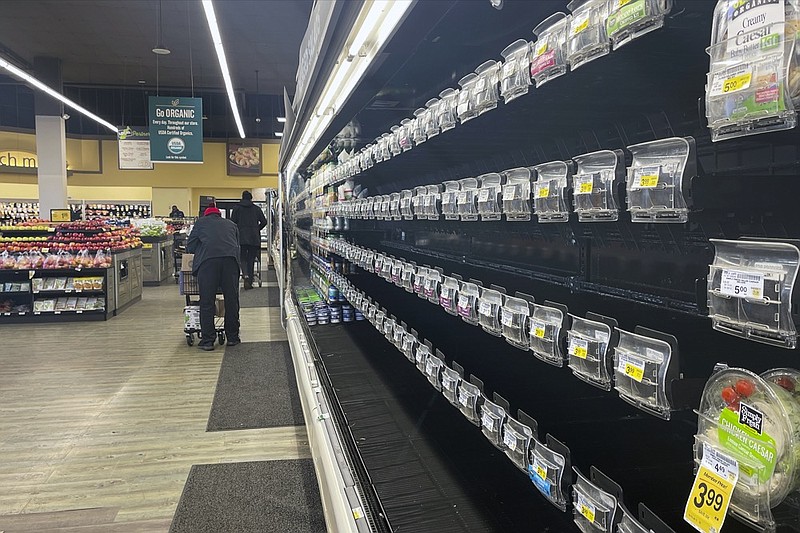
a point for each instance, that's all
(216, 37)
(379, 19)
(27, 78)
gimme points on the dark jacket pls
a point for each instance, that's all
(212, 236)
(176, 213)
(251, 220)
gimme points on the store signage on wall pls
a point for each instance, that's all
(176, 129)
(11, 160)
(133, 149)
(244, 158)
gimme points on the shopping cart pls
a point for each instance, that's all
(191, 313)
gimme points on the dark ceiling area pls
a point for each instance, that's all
(106, 45)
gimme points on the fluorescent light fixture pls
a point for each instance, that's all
(281, 119)
(379, 19)
(278, 134)
(24, 76)
(208, 7)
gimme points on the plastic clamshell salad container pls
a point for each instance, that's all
(418, 134)
(754, 70)
(587, 349)
(486, 86)
(394, 140)
(750, 286)
(492, 418)
(409, 348)
(407, 277)
(406, 210)
(431, 202)
(545, 333)
(420, 279)
(548, 52)
(467, 199)
(421, 355)
(467, 303)
(432, 282)
(450, 383)
(470, 399)
(546, 470)
(515, 76)
(449, 200)
(517, 439)
(394, 206)
(550, 191)
(465, 108)
(640, 369)
(595, 185)
(433, 369)
(655, 180)
(432, 118)
(514, 317)
(448, 295)
(397, 272)
(593, 509)
(489, 311)
(517, 194)
(446, 111)
(754, 420)
(418, 202)
(489, 193)
(630, 19)
(404, 135)
(587, 38)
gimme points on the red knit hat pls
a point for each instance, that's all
(211, 210)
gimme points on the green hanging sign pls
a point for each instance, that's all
(176, 129)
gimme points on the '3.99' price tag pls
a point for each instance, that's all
(711, 493)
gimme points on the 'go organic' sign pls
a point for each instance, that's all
(176, 129)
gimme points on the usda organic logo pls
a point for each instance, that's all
(176, 145)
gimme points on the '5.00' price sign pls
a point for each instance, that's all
(711, 493)
(742, 284)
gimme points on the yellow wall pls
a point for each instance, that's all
(96, 175)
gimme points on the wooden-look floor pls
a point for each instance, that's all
(112, 415)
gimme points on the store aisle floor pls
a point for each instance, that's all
(112, 415)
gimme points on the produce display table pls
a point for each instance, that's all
(157, 259)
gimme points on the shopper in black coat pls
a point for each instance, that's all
(214, 241)
(251, 220)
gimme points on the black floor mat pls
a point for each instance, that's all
(269, 276)
(260, 297)
(263, 497)
(256, 388)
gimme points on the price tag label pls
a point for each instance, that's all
(487, 421)
(646, 177)
(461, 197)
(541, 49)
(632, 367)
(509, 67)
(463, 398)
(480, 85)
(543, 190)
(623, 3)
(483, 196)
(509, 192)
(485, 308)
(463, 302)
(578, 25)
(711, 493)
(510, 440)
(538, 329)
(507, 318)
(586, 508)
(584, 184)
(448, 383)
(579, 348)
(734, 79)
(742, 284)
(539, 469)
(429, 368)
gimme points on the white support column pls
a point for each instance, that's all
(51, 151)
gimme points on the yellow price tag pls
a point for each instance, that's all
(543, 192)
(586, 187)
(582, 26)
(580, 352)
(538, 332)
(711, 493)
(147, 246)
(648, 181)
(541, 471)
(587, 510)
(736, 83)
(541, 50)
(634, 372)
(624, 2)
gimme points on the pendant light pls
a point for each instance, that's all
(160, 49)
